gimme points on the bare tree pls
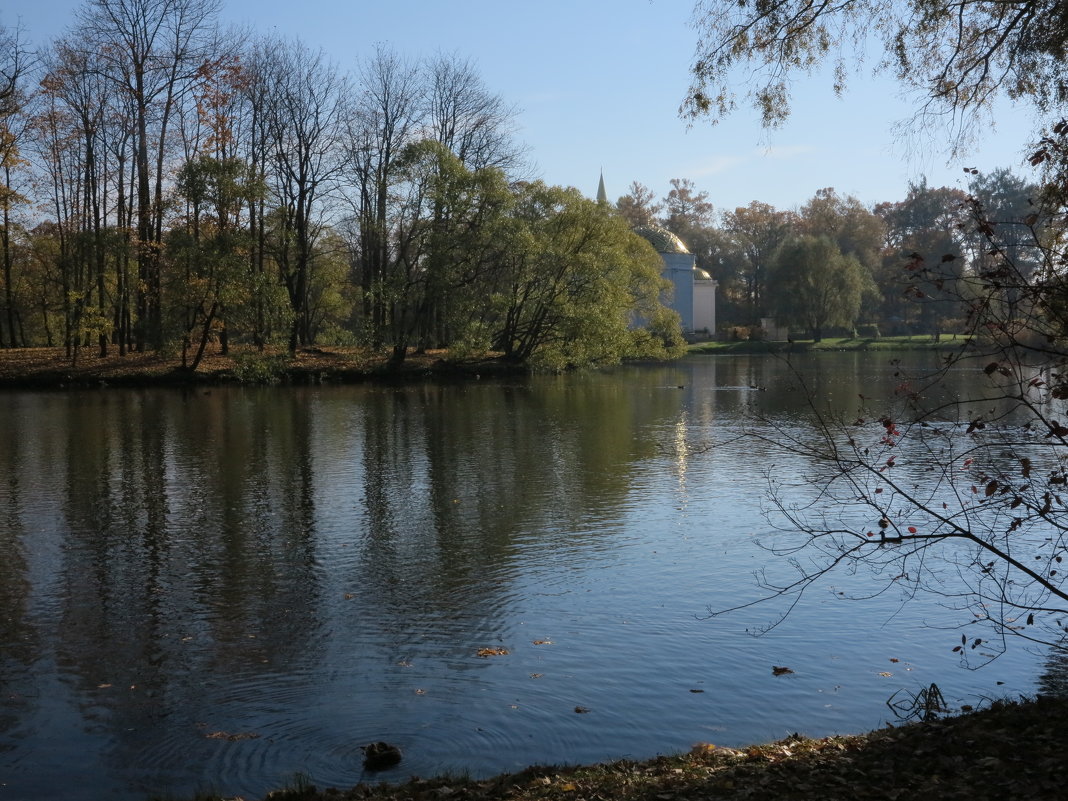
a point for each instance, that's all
(385, 119)
(152, 50)
(305, 123)
(472, 122)
(15, 63)
(74, 83)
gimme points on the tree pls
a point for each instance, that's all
(305, 122)
(15, 62)
(816, 285)
(638, 206)
(575, 285)
(151, 50)
(211, 276)
(14, 65)
(686, 211)
(474, 124)
(383, 122)
(928, 226)
(757, 231)
(1007, 201)
(957, 56)
(962, 498)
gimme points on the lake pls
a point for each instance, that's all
(222, 589)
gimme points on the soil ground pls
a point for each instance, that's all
(1005, 752)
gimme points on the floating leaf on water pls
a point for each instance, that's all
(894, 659)
(420, 692)
(697, 691)
(779, 670)
(493, 652)
(536, 675)
(225, 735)
(349, 596)
(543, 642)
(581, 710)
(886, 674)
(102, 686)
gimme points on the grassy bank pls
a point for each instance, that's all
(885, 344)
(52, 368)
(1007, 751)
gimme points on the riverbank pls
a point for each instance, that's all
(51, 368)
(1009, 750)
(946, 343)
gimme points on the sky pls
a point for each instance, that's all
(598, 84)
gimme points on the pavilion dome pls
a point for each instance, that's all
(661, 238)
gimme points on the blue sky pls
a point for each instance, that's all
(598, 84)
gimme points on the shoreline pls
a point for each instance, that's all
(1007, 750)
(52, 369)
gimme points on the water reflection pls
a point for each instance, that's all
(219, 589)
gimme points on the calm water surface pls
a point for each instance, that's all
(219, 590)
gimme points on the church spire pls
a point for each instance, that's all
(602, 196)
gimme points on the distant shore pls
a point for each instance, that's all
(52, 368)
(945, 343)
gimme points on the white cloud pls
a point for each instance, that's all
(714, 166)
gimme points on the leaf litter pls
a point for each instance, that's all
(1008, 750)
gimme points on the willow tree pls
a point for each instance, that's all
(957, 55)
(817, 286)
(578, 287)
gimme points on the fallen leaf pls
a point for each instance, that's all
(581, 710)
(492, 651)
(697, 691)
(102, 686)
(536, 675)
(894, 659)
(225, 735)
(420, 692)
(543, 642)
(778, 670)
(886, 674)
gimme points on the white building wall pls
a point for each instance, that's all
(678, 268)
(704, 306)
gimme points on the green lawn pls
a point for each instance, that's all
(904, 343)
